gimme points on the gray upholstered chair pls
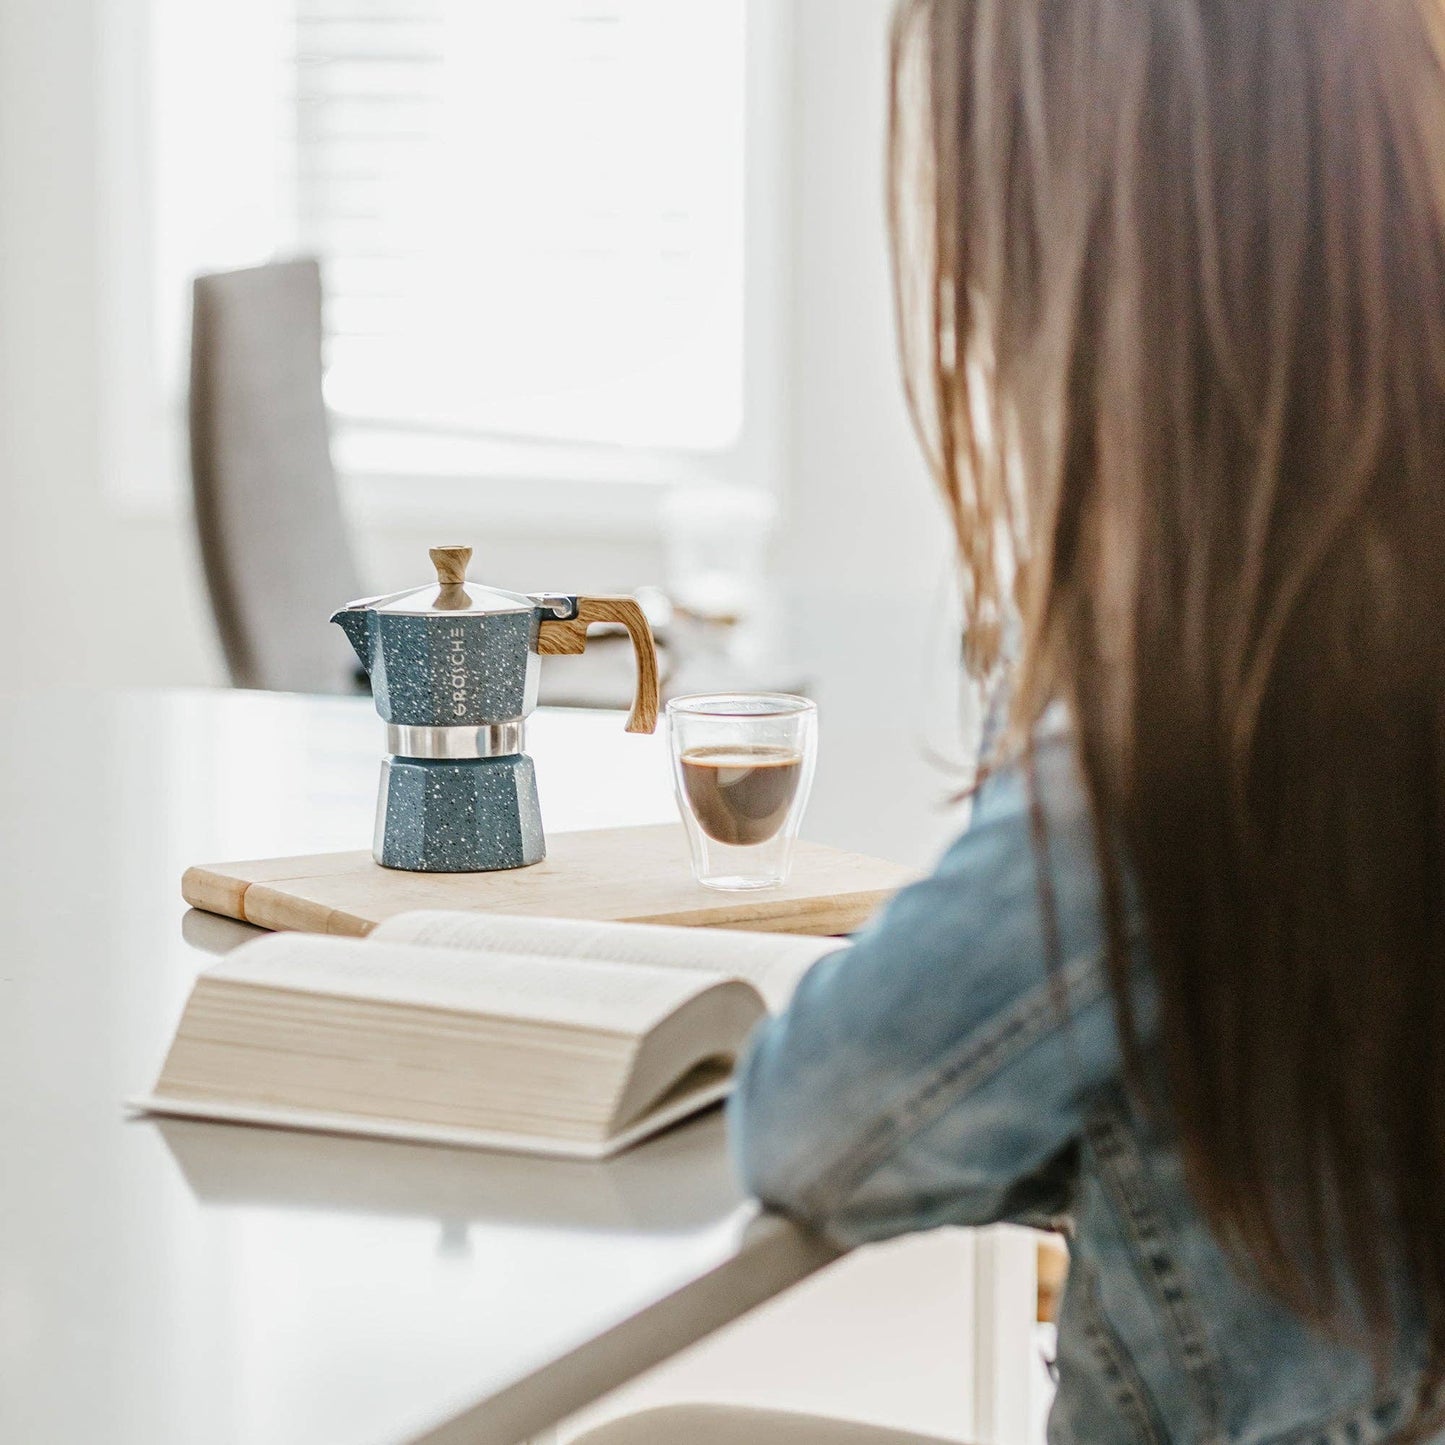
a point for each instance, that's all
(273, 540)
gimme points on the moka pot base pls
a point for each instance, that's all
(471, 816)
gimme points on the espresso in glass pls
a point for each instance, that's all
(741, 795)
(743, 764)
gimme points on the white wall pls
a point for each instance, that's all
(100, 599)
(865, 546)
(861, 519)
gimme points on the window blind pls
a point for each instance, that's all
(531, 214)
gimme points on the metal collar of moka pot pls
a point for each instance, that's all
(490, 740)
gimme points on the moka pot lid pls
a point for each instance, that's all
(451, 595)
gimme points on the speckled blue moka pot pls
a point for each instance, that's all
(454, 673)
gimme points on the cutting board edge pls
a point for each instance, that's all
(214, 892)
(262, 892)
(822, 917)
(224, 888)
(270, 906)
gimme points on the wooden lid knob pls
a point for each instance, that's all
(451, 564)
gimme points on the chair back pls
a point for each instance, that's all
(273, 539)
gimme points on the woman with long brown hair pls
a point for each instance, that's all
(1171, 291)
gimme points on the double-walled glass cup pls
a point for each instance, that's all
(743, 767)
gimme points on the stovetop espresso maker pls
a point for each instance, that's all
(454, 670)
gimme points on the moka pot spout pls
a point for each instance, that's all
(355, 622)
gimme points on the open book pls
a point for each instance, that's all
(544, 1035)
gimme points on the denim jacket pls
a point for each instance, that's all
(929, 1074)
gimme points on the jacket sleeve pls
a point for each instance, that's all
(935, 1070)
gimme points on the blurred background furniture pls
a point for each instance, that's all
(273, 539)
(278, 560)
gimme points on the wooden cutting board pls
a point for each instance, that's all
(628, 875)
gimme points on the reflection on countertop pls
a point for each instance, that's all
(680, 1181)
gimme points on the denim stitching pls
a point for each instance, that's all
(1122, 1173)
(1131, 1395)
(1328, 1432)
(976, 1059)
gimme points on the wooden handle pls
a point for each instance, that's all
(451, 564)
(557, 636)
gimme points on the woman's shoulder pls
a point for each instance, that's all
(971, 1022)
(1028, 859)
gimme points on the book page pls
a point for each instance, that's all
(772, 962)
(601, 997)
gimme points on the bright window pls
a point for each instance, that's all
(530, 212)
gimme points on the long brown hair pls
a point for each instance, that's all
(1171, 294)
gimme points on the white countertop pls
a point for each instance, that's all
(185, 1283)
